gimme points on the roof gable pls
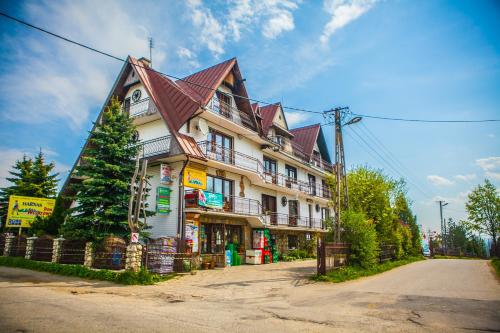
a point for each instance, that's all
(306, 137)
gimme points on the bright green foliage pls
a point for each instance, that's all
(356, 272)
(50, 225)
(29, 177)
(495, 262)
(361, 234)
(483, 208)
(142, 277)
(460, 239)
(107, 166)
(403, 211)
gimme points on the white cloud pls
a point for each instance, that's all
(466, 178)
(209, 30)
(189, 56)
(490, 166)
(342, 13)
(52, 81)
(296, 118)
(273, 17)
(439, 181)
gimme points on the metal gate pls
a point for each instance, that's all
(19, 247)
(331, 256)
(110, 254)
(72, 252)
(42, 249)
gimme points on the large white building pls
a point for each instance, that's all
(259, 173)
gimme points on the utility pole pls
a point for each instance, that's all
(341, 199)
(442, 203)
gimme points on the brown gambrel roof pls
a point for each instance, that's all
(173, 103)
(306, 137)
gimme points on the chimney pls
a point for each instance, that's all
(145, 61)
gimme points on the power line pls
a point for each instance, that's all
(425, 120)
(68, 40)
(146, 67)
(384, 161)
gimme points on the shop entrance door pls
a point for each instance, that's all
(269, 205)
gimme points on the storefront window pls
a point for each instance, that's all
(234, 235)
(292, 242)
(212, 238)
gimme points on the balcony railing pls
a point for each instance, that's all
(155, 147)
(231, 157)
(231, 204)
(278, 219)
(298, 151)
(143, 107)
(230, 112)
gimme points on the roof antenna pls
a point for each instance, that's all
(151, 52)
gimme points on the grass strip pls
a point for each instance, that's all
(438, 256)
(143, 277)
(356, 272)
(495, 262)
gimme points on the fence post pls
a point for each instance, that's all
(9, 241)
(30, 247)
(88, 260)
(321, 257)
(134, 257)
(57, 249)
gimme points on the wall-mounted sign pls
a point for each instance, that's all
(210, 199)
(162, 200)
(23, 210)
(165, 174)
(195, 178)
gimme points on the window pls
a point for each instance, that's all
(270, 168)
(212, 238)
(291, 173)
(220, 145)
(292, 242)
(269, 205)
(325, 213)
(224, 186)
(312, 184)
(234, 235)
(310, 214)
(325, 190)
(224, 104)
(126, 106)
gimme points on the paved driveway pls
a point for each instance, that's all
(432, 295)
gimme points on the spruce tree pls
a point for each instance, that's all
(106, 167)
(31, 178)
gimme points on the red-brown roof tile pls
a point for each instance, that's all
(202, 85)
(268, 113)
(306, 137)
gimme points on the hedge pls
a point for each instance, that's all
(143, 277)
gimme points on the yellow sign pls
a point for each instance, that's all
(23, 210)
(195, 178)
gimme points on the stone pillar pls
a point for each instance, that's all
(57, 249)
(88, 260)
(9, 241)
(30, 247)
(134, 257)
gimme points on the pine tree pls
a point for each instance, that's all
(29, 178)
(107, 166)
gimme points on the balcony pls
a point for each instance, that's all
(141, 108)
(228, 204)
(158, 147)
(231, 113)
(285, 220)
(288, 146)
(256, 170)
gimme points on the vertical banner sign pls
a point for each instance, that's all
(192, 236)
(22, 211)
(162, 200)
(165, 174)
(195, 178)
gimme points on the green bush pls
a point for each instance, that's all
(355, 272)
(362, 236)
(495, 262)
(143, 277)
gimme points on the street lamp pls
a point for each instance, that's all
(353, 121)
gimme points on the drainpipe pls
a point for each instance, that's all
(180, 225)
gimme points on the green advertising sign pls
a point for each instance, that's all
(210, 199)
(163, 200)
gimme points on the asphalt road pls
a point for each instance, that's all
(427, 296)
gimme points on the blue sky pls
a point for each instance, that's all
(414, 59)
